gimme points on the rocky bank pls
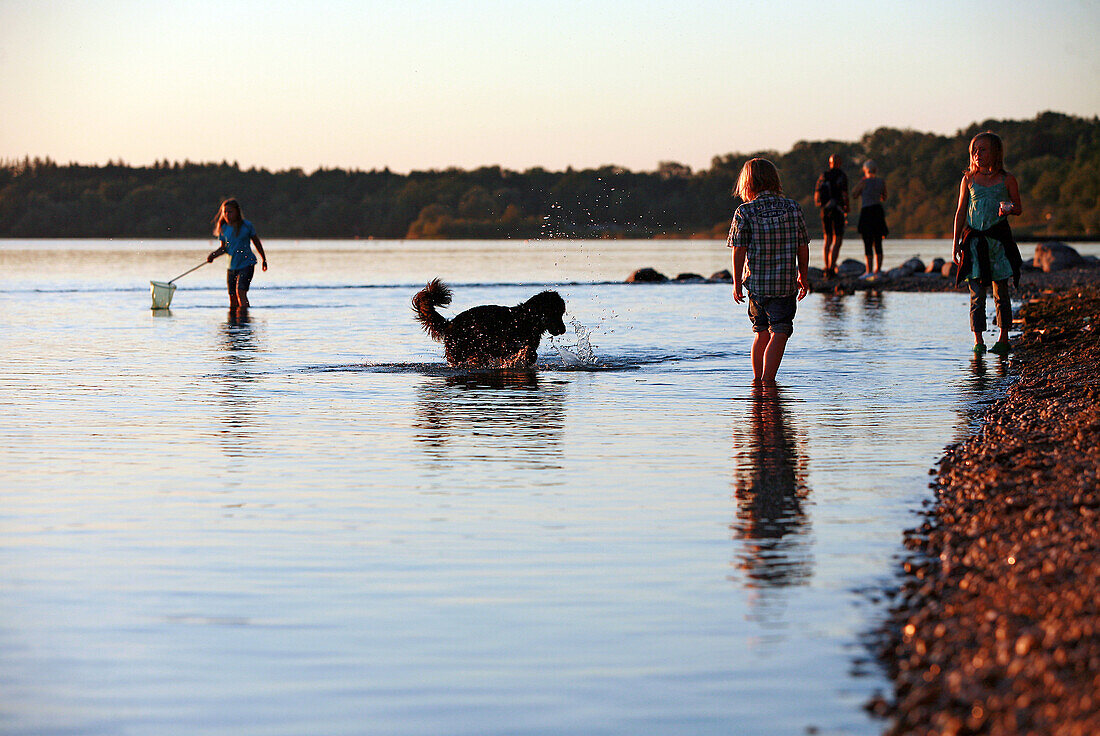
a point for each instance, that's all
(996, 628)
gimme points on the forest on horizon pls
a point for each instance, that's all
(1055, 157)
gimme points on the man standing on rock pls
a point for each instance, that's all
(831, 195)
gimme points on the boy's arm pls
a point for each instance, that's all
(738, 270)
(803, 258)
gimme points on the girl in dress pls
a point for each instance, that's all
(984, 248)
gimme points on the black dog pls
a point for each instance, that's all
(490, 336)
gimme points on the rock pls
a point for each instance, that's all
(900, 272)
(815, 274)
(689, 278)
(915, 265)
(723, 275)
(936, 266)
(1029, 265)
(851, 267)
(949, 270)
(1092, 260)
(1053, 256)
(646, 276)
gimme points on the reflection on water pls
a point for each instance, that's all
(833, 315)
(237, 354)
(770, 488)
(978, 391)
(501, 415)
(874, 311)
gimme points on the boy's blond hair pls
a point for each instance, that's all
(757, 175)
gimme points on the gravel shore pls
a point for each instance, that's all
(996, 627)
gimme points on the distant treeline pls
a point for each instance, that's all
(1055, 157)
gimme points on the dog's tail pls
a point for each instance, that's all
(435, 294)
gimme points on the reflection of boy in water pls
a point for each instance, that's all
(770, 488)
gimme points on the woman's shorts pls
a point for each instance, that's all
(240, 279)
(833, 221)
(775, 313)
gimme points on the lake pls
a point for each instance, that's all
(305, 522)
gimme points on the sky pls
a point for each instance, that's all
(432, 84)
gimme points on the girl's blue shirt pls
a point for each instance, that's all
(238, 244)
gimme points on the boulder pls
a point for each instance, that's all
(1053, 256)
(900, 272)
(815, 274)
(915, 265)
(689, 278)
(723, 275)
(949, 270)
(646, 276)
(1029, 265)
(851, 267)
(936, 266)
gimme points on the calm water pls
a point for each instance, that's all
(304, 522)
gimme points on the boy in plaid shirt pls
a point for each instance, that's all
(771, 254)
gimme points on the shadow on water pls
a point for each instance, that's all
(238, 349)
(770, 490)
(505, 416)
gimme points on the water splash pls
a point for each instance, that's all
(580, 354)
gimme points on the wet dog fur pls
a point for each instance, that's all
(490, 336)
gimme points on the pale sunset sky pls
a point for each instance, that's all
(421, 84)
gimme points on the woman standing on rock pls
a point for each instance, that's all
(872, 218)
(984, 248)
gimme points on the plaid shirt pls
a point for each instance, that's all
(771, 228)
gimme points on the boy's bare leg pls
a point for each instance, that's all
(242, 299)
(773, 355)
(759, 346)
(826, 252)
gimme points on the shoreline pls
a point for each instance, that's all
(996, 626)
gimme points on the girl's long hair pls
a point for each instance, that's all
(996, 147)
(221, 218)
(757, 175)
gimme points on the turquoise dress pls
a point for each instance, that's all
(981, 215)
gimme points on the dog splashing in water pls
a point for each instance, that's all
(490, 336)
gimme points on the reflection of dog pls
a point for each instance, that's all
(490, 336)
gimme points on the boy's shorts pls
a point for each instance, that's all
(239, 279)
(775, 313)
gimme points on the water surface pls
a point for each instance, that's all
(305, 522)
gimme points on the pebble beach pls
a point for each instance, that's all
(996, 627)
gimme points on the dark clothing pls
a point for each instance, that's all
(872, 221)
(833, 221)
(773, 313)
(872, 247)
(1001, 300)
(1001, 232)
(239, 279)
(831, 191)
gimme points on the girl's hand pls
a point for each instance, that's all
(957, 255)
(738, 295)
(265, 264)
(803, 287)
